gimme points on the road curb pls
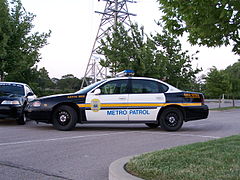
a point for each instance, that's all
(117, 171)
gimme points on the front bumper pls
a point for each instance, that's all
(196, 112)
(10, 111)
(38, 114)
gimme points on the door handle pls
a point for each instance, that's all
(123, 98)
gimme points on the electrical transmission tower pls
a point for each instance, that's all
(116, 11)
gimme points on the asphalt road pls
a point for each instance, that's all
(41, 152)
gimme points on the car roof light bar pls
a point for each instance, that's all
(125, 73)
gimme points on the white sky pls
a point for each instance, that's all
(74, 26)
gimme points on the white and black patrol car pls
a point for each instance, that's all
(121, 100)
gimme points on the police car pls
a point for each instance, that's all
(121, 100)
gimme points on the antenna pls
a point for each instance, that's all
(116, 11)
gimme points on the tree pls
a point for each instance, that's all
(43, 80)
(217, 83)
(19, 47)
(69, 83)
(207, 22)
(5, 31)
(233, 76)
(118, 50)
(158, 56)
(227, 82)
(174, 64)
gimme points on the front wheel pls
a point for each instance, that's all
(22, 119)
(171, 119)
(64, 118)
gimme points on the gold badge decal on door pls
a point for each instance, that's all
(95, 105)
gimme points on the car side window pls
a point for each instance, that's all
(115, 87)
(147, 86)
(163, 88)
(28, 89)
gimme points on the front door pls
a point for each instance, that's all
(110, 104)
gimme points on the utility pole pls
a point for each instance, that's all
(116, 11)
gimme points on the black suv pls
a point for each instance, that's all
(13, 99)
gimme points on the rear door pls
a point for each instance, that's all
(110, 104)
(145, 99)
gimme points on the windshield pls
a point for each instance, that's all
(89, 88)
(12, 89)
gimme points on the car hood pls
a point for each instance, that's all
(58, 96)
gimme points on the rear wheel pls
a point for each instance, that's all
(64, 118)
(171, 119)
(152, 125)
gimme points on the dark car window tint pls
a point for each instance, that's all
(115, 87)
(12, 89)
(148, 86)
(163, 88)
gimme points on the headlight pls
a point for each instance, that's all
(15, 102)
(36, 104)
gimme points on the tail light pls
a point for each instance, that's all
(202, 99)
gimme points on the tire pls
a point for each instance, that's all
(152, 125)
(64, 118)
(22, 119)
(171, 119)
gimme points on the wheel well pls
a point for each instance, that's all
(170, 106)
(72, 105)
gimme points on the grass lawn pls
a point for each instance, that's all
(225, 108)
(213, 160)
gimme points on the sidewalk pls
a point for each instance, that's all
(117, 171)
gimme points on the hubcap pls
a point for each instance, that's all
(63, 118)
(172, 119)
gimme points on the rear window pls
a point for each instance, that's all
(12, 89)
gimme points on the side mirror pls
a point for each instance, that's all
(97, 92)
(30, 94)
